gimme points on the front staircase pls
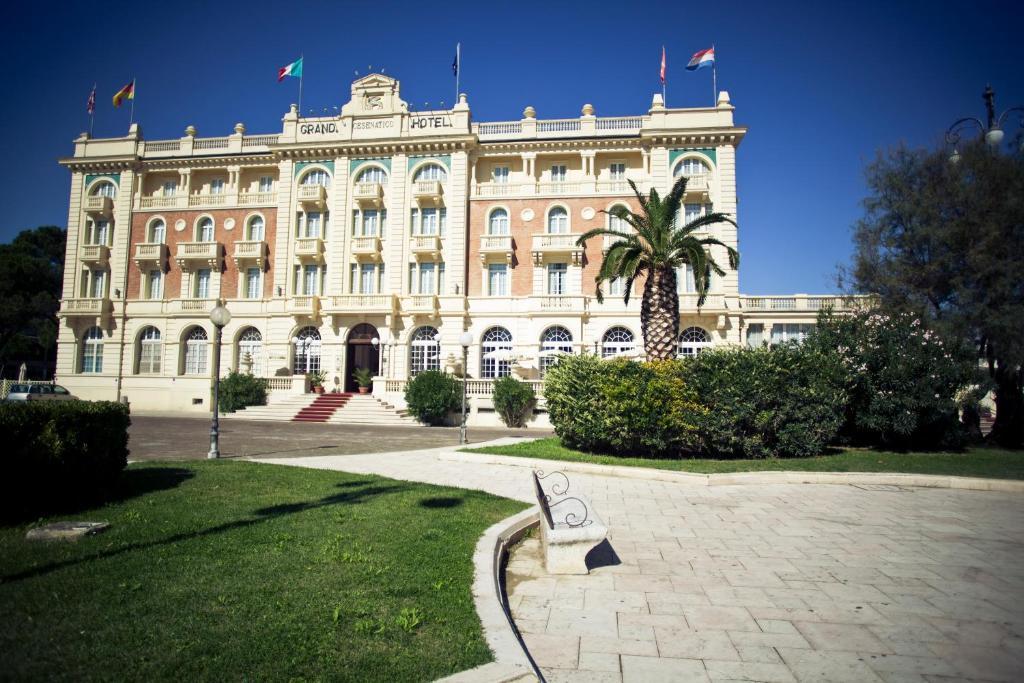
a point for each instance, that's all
(367, 410)
(322, 408)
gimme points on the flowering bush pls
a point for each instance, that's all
(902, 379)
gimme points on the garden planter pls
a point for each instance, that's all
(318, 390)
(364, 390)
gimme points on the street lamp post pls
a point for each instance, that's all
(465, 340)
(991, 130)
(219, 316)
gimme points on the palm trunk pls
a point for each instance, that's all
(659, 314)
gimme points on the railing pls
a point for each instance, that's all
(207, 199)
(474, 387)
(713, 302)
(421, 303)
(154, 251)
(311, 193)
(210, 143)
(99, 205)
(555, 241)
(563, 302)
(259, 140)
(249, 249)
(309, 246)
(425, 243)
(616, 186)
(163, 145)
(559, 187)
(279, 383)
(366, 245)
(84, 306)
(308, 305)
(802, 302)
(160, 202)
(198, 250)
(95, 253)
(362, 303)
(368, 191)
(255, 198)
(500, 128)
(195, 305)
(698, 183)
(621, 123)
(558, 125)
(428, 188)
(504, 189)
(495, 243)
(609, 240)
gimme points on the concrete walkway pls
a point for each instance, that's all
(777, 582)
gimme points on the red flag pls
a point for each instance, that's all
(90, 106)
(663, 65)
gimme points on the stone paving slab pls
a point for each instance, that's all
(773, 582)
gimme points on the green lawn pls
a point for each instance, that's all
(975, 462)
(233, 571)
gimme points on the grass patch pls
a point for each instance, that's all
(243, 571)
(975, 462)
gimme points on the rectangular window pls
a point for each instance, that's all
(414, 222)
(782, 333)
(312, 224)
(755, 335)
(556, 278)
(429, 222)
(616, 287)
(427, 282)
(685, 283)
(310, 279)
(497, 279)
(266, 183)
(101, 234)
(252, 283)
(217, 186)
(500, 174)
(370, 223)
(99, 284)
(202, 290)
(156, 284)
(92, 355)
(149, 356)
(169, 188)
(617, 171)
(367, 278)
(558, 173)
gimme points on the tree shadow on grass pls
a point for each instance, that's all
(350, 497)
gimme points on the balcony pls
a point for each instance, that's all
(425, 245)
(608, 240)
(191, 307)
(158, 202)
(309, 249)
(547, 245)
(250, 252)
(193, 255)
(422, 304)
(99, 206)
(312, 195)
(371, 194)
(698, 186)
(85, 308)
(496, 245)
(803, 302)
(616, 187)
(563, 303)
(151, 255)
(257, 198)
(366, 247)
(204, 200)
(504, 189)
(95, 255)
(359, 304)
(713, 302)
(305, 306)
(560, 187)
(428, 191)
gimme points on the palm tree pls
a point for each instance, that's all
(655, 248)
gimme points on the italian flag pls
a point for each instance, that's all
(293, 69)
(125, 93)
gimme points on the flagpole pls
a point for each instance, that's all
(714, 77)
(92, 113)
(302, 58)
(664, 79)
(131, 114)
(458, 68)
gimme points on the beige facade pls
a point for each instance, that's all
(377, 238)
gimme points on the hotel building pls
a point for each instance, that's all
(376, 238)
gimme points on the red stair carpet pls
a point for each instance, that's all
(322, 408)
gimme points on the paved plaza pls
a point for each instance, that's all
(762, 582)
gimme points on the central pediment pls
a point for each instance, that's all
(374, 94)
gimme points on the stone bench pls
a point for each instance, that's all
(569, 526)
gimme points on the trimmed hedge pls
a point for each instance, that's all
(623, 407)
(432, 395)
(240, 390)
(60, 454)
(512, 400)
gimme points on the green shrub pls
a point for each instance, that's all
(785, 400)
(239, 390)
(512, 400)
(432, 395)
(902, 379)
(59, 454)
(622, 407)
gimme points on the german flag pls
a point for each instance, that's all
(125, 93)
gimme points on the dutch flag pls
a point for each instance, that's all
(702, 59)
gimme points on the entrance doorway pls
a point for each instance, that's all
(361, 353)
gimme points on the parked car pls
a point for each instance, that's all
(39, 392)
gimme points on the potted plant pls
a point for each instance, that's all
(364, 378)
(316, 381)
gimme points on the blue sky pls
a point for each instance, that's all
(821, 86)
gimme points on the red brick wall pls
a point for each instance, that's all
(522, 236)
(229, 274)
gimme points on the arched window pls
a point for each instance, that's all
(317, 176)
(306, 357)
(691, 167)
(496, 353)
(617, 224)
(157, 232)
(196, 347)
(558, 221)
(255, 230)
(104, 190)
(617, 341)
(373, 174)
(431, 172)
(497, 222)
(100, 232)
(555, 342)
(204, 231)
(250, 352)
(424, 351)
(692, 341)
(150, 352)
(92, 350)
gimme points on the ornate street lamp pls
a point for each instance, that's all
(992, 131)
(219, 316)
(465, 340)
